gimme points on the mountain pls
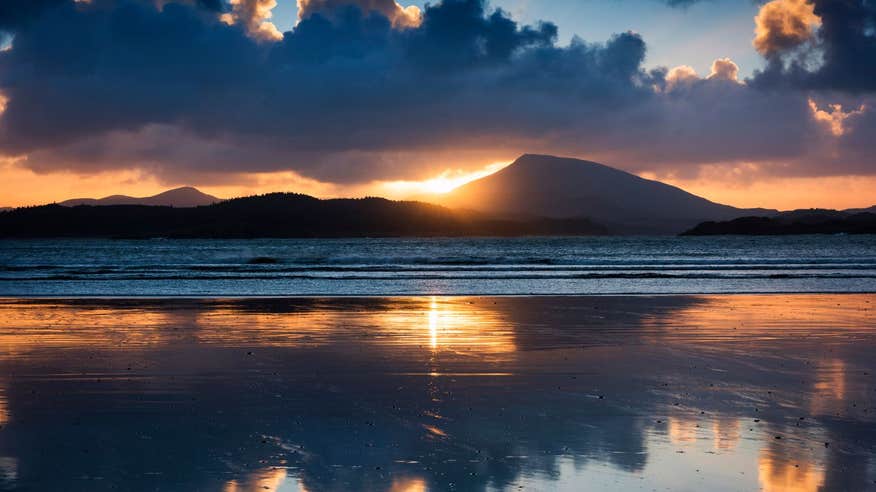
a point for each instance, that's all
(548, 186)
(275, 215)
(5, 209)
(179, 197)
(871, 210)
(797, 223)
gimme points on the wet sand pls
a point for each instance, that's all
(727, 392)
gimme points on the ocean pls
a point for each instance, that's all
(438, 266)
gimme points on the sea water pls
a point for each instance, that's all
(438, 266)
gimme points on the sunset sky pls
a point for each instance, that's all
(745, 103)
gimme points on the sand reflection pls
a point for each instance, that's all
(776, 475)
(411, 394)
(428, 324)
(26, 326)
(272, 480)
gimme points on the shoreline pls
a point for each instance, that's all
(5, 297)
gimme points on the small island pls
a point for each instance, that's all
(797, 222)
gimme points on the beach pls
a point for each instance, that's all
(691, 392)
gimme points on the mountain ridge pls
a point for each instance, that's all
(185, 196)
(562, 187)
(275, 215)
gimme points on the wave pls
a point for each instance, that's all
(474, 267)
(420, 276)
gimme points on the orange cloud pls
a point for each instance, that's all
(254, 15)
(725, 69)
(833, 118)
(784, 24)
(680, 76)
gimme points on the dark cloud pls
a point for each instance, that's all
(14, 13)
(215, 5)
(840, 58)
(397, 14)
(349, 96)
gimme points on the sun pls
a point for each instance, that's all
(444, 183)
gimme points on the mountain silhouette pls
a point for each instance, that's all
(548, 186)
(280, 215)
(178, 197)
(802, 221)
(869, 210)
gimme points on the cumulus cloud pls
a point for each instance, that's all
(254, 15)
(683, 75)
(350, 96)
(834, 117)
(724, 69)
(399, 16)
(784, 24)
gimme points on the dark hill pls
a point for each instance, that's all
(179, 197)
(274, 215)
(818, 222)
(547, 186)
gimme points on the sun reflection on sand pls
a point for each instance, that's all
(724, 433)
(278, 480)
(783, 476)
(755, 319)
(433, 324)
(829, 395)
(452, 325)
(263, 481)
(727, 433)
(4, 405)
(62, 325)
(408, 485)
(777, 470)
(682, 431)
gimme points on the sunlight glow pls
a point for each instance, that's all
(445, 182)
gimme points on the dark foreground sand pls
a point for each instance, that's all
(774, 392)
